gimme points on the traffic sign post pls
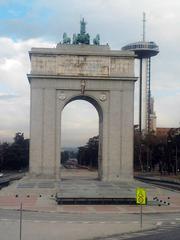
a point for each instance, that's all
(141, 216)
(141, 200)
(20, 225)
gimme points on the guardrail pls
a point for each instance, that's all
(160, 182)
(5, 181)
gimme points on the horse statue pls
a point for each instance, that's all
(75, 40)
(96, 40)
(66, 39)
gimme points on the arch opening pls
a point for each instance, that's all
(81, 137)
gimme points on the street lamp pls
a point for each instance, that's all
(176, 158)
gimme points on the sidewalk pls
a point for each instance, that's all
(67, 231)
(39, 195)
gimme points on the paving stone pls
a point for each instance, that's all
(46, 185)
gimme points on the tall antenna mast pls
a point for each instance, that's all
(144, 26)
(144, 51)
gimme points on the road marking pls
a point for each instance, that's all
(177, 219)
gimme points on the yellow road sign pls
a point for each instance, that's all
(141, 196)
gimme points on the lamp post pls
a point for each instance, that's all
(176, 160)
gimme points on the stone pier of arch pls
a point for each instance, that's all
(102, 76)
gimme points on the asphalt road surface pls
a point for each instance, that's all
(173, 234)
(159, 234)
(158, 218)
(67, 226)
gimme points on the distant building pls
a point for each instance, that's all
(162, 132)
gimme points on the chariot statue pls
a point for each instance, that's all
(82, 37)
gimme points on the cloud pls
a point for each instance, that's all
(117, 21)
(6, 96)
(41, 23)
(168, 112)
(80, 121)
(14, 86)
(14, 95)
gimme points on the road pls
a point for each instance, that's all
(90, 217)
(160, 234)
(171, 234)
(75, 226)
(167, 184)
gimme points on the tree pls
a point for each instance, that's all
(88, 154)
(162, 151)
(173, 146)
(15, 156)
(64, 157)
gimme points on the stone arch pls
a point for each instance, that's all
(103, 76)
(99, 110)
(89, 99)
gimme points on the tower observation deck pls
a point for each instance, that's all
(144, 50)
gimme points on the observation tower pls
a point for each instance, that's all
(144, 50)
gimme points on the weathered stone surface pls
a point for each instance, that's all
(83, 61)
(93, 73)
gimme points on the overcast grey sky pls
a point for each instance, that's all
(41, 23)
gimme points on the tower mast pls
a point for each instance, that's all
(144, 50)
(144, 26)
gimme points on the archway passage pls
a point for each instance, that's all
(80, 130)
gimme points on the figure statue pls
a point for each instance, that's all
(82, 37)
(82, 27)
(66, 39)
(83, 86)
(96, 40)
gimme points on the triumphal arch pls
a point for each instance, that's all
(92, 72)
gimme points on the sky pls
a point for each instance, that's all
(41, 23)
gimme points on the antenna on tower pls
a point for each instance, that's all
(144, 26)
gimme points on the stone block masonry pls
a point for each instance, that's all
(97, 74)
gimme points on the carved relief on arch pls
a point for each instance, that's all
(103, 97)
(62, 96)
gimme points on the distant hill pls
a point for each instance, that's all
(70, 149)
